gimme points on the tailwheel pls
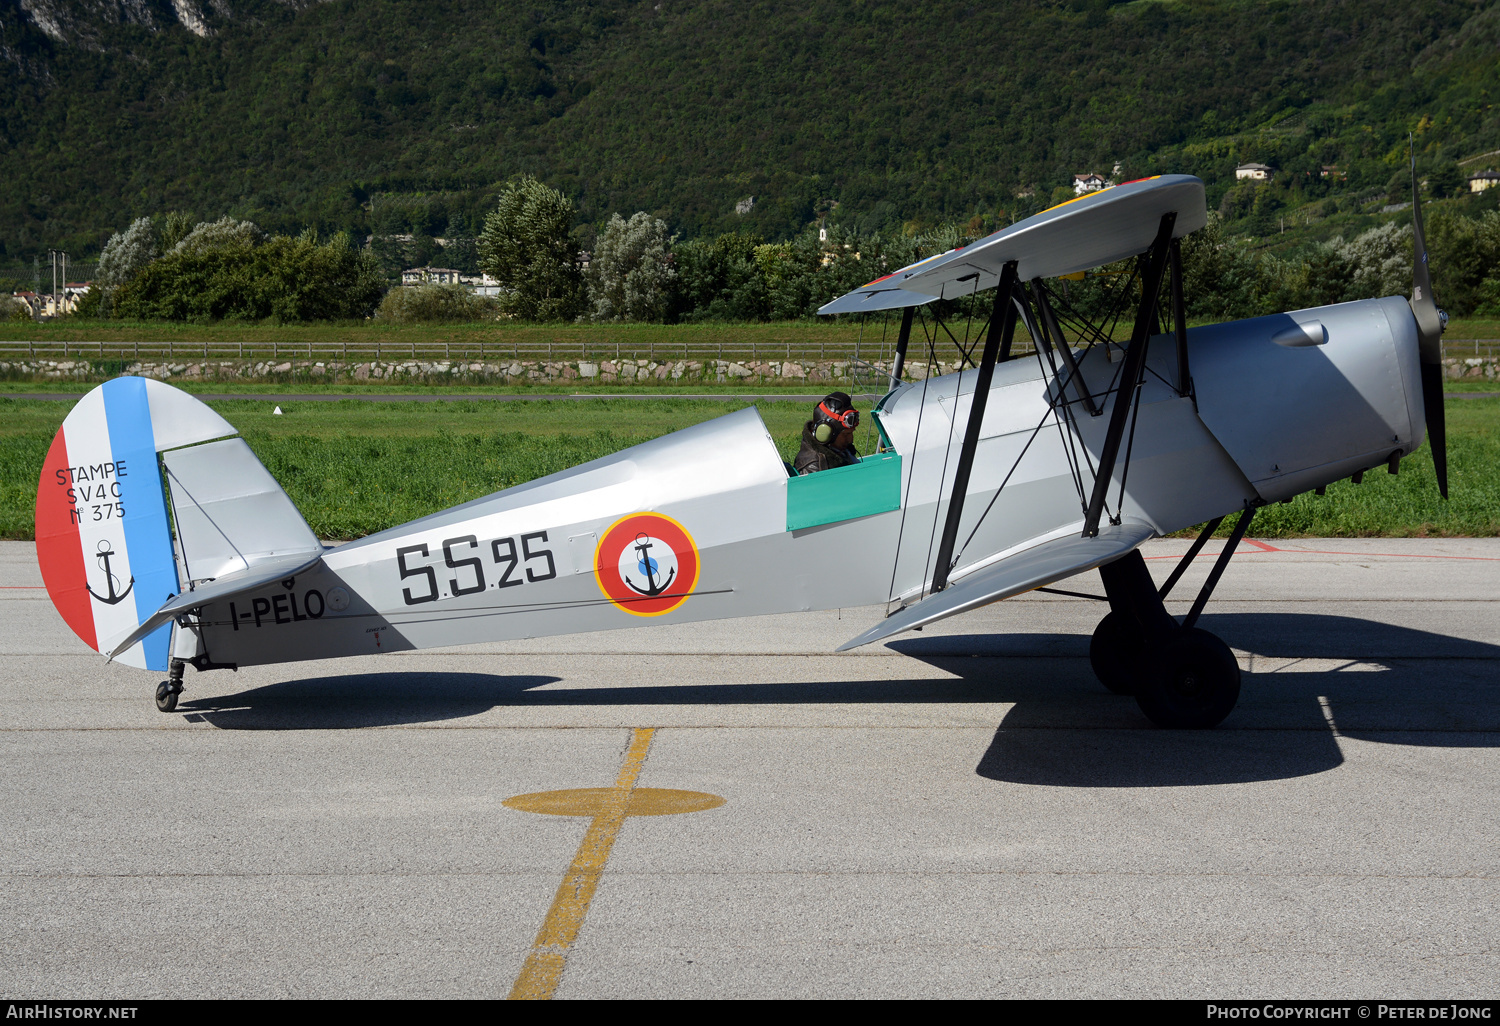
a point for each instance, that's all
(1189, 680)
(168, 690)
(1116, 652)
(166, 696)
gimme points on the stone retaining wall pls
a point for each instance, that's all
(521, 372)
(1472, 368)
(440, 372)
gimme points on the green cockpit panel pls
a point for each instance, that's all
(873, 485)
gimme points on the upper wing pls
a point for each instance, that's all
(1093, 229)
(1025, 571)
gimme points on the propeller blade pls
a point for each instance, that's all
(1430, 324)
(1437, 431)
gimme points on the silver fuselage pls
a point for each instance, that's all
(1280, 405)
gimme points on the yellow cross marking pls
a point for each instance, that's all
(608, 807)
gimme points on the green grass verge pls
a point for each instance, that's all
(411, 388)
(355, 467)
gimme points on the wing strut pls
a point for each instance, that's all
(1179, 320)
(997, 341)
(901, 342)
(1130, 375)
(1240, 527)
(1050, 327)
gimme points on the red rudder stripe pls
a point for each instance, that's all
(58, 549)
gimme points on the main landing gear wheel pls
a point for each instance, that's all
(166, 696)
(1190, 680)
(1116, 653)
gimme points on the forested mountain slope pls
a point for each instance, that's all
(394, 116)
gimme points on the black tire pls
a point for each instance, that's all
(1191, 681)
(166, 696)
(1116, 652)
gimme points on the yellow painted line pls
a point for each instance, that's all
(608, 807)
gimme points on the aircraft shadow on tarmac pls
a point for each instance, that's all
(1379, 683)
(1376, 682)
(349, 701)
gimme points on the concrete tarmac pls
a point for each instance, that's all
(963, 812)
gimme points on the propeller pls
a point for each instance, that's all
(1431, 322)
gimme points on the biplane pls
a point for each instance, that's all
(164, 542)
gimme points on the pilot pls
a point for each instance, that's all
(828, 439)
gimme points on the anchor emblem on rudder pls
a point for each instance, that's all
(110, 580)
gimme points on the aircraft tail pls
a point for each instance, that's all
(132, 509)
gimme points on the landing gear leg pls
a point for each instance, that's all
(168, 690)
(1181, 676)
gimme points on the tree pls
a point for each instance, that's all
(526, 246)
(720, 281)
(283, 278)
(171, 229)
(631, 277)
(124, 255)
(225, 233)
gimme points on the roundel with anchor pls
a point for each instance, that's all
(647, 564)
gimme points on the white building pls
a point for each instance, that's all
(481, 284)
(1484, 180)
(1254, 172)
(430, 276)
(1088, 183)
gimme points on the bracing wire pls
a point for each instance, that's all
(911, 477)
(952, 423)
(947, 454)
(1009, 474)
(1058, 403)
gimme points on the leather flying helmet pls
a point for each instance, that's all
(834, 414)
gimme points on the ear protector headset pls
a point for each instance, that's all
(849, 420)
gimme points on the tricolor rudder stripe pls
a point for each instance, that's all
(102, 534)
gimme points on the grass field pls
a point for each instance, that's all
(354, 467)
(410, 388)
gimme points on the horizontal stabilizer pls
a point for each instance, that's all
(1034, 568)
(267, 572)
